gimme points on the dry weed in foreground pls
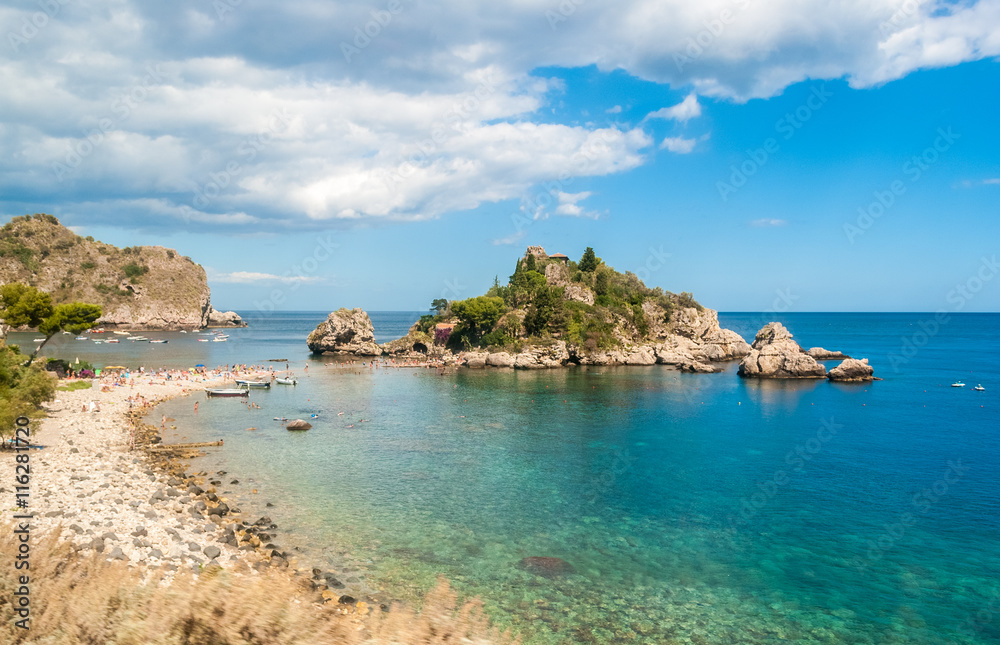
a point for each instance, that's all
(83, 599)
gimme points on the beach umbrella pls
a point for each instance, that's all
(199, 365)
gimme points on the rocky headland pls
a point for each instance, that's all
(138, 287)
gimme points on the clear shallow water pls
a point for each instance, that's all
(693, 508)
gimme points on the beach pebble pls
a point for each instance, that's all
(117, 554)
(194, 547)
(212, 552)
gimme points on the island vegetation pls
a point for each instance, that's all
(585, 303)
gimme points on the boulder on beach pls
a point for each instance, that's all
(298, 424)
(546, 567)
(346, 331)
(774, 354)
(852, 370)
(821, 354)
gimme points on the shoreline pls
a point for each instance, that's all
(96, 483)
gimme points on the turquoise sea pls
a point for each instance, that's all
(691, 508)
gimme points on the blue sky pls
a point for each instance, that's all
(783, 156)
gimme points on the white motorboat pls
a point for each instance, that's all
(958, 384)
(286, 381)
(159, 341)
(979, 388)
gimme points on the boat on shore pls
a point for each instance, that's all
(286, 381)
(261, 385)
(227, 391)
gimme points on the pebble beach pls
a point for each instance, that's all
(100, 482)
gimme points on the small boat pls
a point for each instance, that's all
(122, 333)
(98, 342)
(958, 384)
(183, 332)
(218, 340)
(39, 340)
(286, 381)
(254, 384)
(159, 341)
(65, 332)
(202, 340)
(139, 338)
(979, 388)
(227, 391)
(113, 340)
(82, 338)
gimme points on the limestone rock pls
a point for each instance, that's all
(557, 275)
(346, 331)
(298, 424)
(475, 359)
(853, 370)
(224, 318)
(821, 354)
(555, 355)
(500, 359)
(775, 355)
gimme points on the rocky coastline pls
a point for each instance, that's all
(694, 342)
(106, 484)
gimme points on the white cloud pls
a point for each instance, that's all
(251, 277)
(510, 239)
(568, 205)
(615, 110)
(680, 145)
(438, 113)
(768, 222)
(683, 112)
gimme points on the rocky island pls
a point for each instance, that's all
(137, 287)
(554, 312)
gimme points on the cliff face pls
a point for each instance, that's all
(148, 287)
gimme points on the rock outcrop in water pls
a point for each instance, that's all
(775, 355)
(853, 370)
(346, 331)
(821, 354)
(224, 319)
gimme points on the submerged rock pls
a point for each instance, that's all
(775, 355)
(852, 370)
(546, 566)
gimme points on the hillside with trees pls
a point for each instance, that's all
(148, 287)
(585, 303)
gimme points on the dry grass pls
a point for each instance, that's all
(77, 599)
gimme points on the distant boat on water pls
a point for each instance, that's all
(286, 381)
(159, 341)
(202, 340)
(254, 384)
(113, 340)
(217, 340)
(979, 388)
(228, 391)
(39, 340)
(958, 384)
